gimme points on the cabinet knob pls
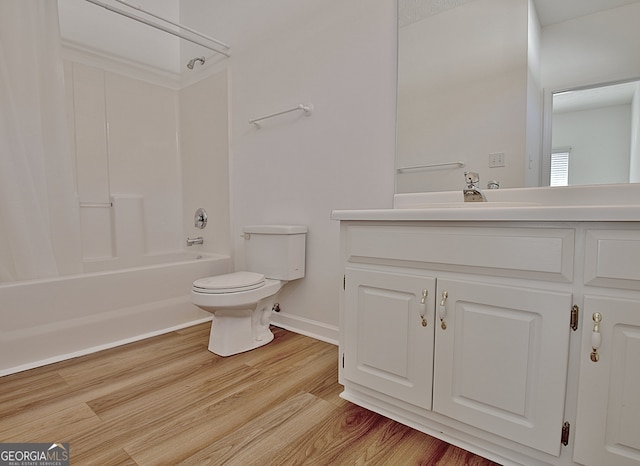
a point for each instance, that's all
(596, 337)
(423, 307)
(442, 310)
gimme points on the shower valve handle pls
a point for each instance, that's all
(200, 218)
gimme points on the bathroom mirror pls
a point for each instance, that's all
(479, 83)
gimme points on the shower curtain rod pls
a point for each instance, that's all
(163, 28)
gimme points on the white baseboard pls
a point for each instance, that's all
(311, 328)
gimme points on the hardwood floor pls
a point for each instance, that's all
(167, 400)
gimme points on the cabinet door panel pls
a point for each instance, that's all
(386, 346)
(608, 419)
(501, 362)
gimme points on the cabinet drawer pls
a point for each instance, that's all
(612, 258)
(522, 252)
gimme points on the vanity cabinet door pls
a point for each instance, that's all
(608, 420)
(501, 359)
(388, 341)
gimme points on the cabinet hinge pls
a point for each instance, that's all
(566, 428)
(573, 323)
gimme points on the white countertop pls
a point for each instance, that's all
(617, 203)
(615, 213)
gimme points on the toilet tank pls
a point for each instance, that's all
(277, 251)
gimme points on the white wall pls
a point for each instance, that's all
(600, 141)
(340, 56)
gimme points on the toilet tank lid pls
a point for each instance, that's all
(275, 229)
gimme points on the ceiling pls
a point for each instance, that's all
(595, 97)
(549, 11)
(557, 11)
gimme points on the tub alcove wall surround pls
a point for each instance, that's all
(152, 150)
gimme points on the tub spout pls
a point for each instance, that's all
(196, 240)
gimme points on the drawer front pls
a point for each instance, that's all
(612, 258)
(545, 253)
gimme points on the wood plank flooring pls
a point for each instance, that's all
(167, 400)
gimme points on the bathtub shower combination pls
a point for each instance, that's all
(72, 194)
(49, 320)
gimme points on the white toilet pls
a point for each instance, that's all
(241, 302)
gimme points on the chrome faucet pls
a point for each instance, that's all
(196, 240)
(472, 192)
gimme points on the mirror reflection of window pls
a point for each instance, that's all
(560, 167)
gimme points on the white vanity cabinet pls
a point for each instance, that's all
(608, 418)
(500, 366)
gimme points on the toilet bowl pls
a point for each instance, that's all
(242, 302)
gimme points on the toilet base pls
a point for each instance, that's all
(238, 330)
(216, 346)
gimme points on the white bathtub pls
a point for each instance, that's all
(49, 320)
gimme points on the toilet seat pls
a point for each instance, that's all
(229, 283)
